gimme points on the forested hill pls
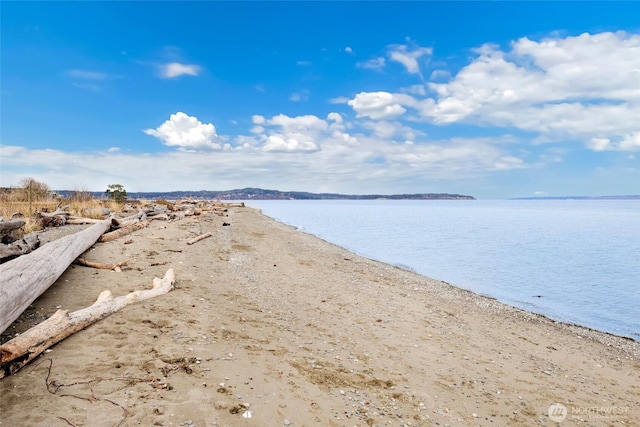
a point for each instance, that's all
(261, 194)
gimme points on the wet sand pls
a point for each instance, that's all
(269, 326)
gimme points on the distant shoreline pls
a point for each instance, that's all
(262, 194)
(628, 197)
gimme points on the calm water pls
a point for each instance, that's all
(582, 257)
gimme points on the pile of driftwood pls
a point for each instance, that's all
(31, 272)
(184, 208)
(13, 243)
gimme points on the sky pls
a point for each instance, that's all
(489, 99)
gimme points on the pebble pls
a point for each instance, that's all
(287, 422)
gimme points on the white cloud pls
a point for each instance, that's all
(393, 131)
(629, 142)
(372, 64)
(348, 49)
(409, 57)
(176, 69)
(187, 133)
(335, 117)
(440, 75)
(88, 75)
(376, 105)
(339, 100)
(304, 63)
(305, 152)
(300, 96)
(530, 85)
(583, 88)
(300, 123)
(90, 80)
(288, 134)
(416, 90)
(279, 142)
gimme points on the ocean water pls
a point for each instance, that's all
(575, 261)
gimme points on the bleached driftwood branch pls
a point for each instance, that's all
(198, 238)
(16, 353)
(82, 220)
(128, 228)
(100, 265)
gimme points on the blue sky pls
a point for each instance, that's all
(490, 99)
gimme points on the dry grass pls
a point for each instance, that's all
(8, 208)
(91, 208)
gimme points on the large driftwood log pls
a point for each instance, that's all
(25, 278)
(16, 353)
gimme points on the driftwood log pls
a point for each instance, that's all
(9, 230)
(25, 278)
(54, 219)
(100, 265)
(129, 228)
(141, 216)
(176, 216)
(82, 220)
(198, 238)
(162, 217)
(16, 353)
(20, 247)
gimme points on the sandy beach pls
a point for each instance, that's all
(269, 326)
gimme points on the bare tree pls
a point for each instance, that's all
(34, 190)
